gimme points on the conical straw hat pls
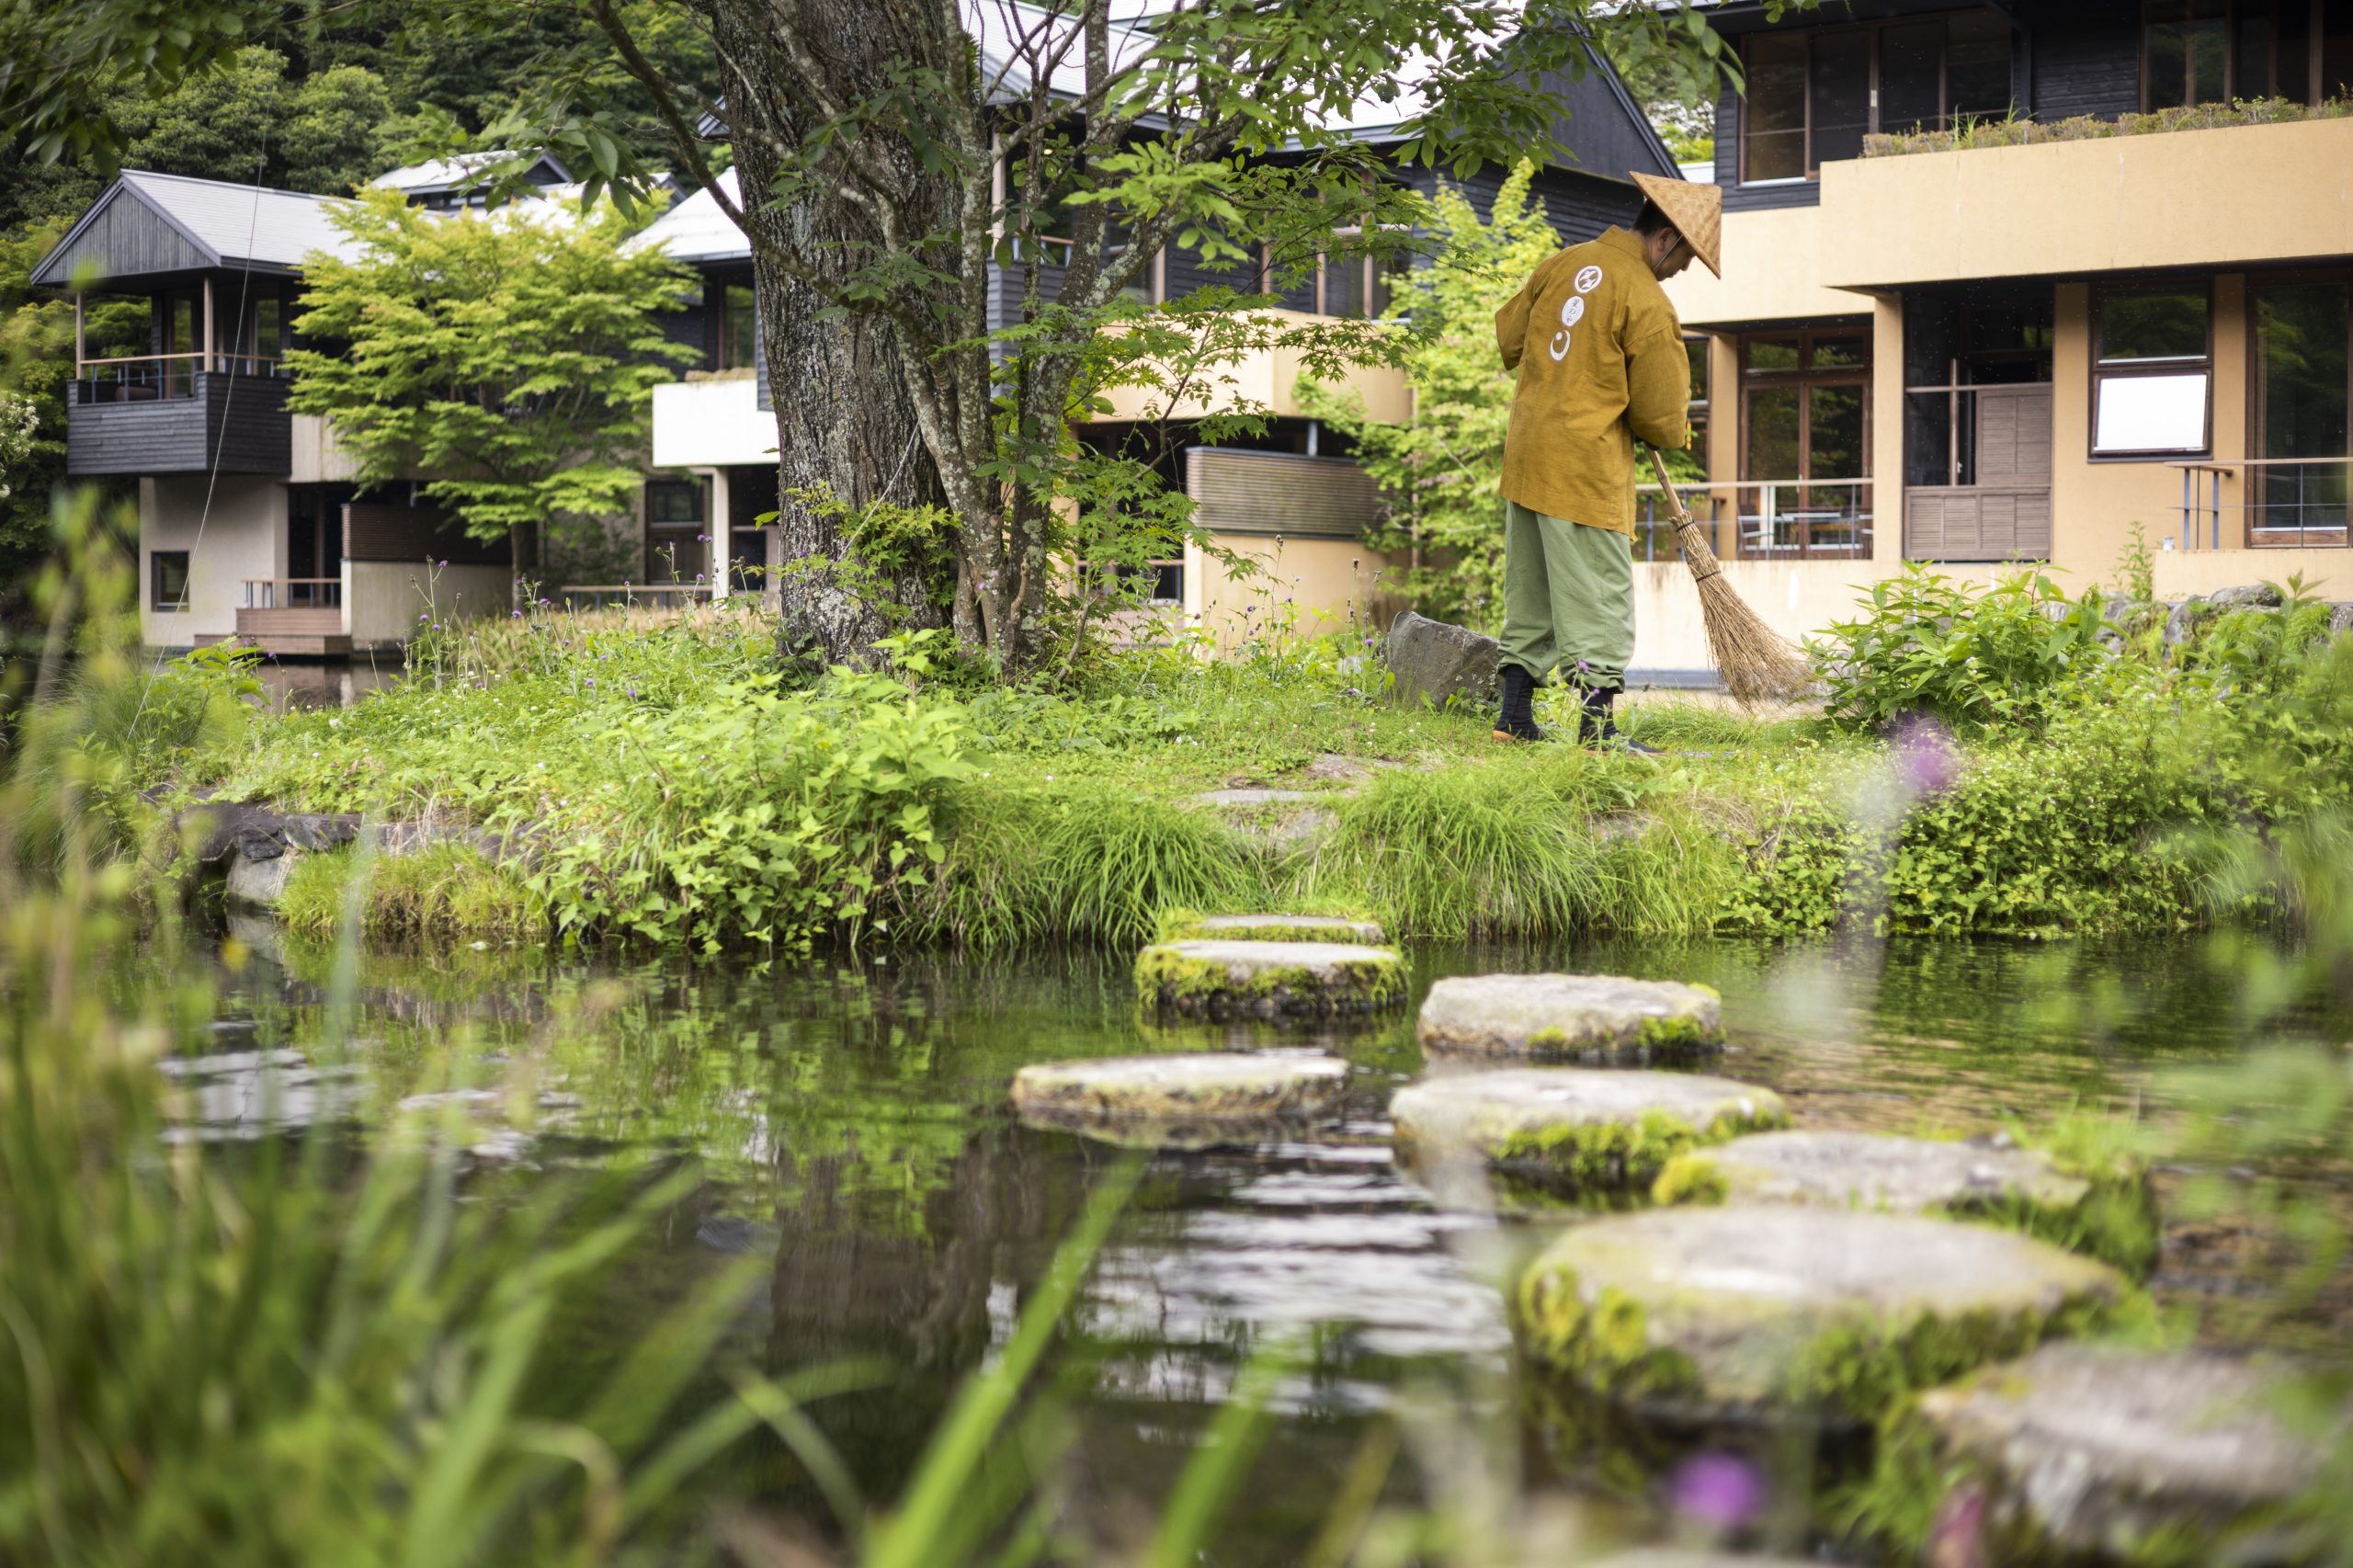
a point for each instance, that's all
(1695, 211)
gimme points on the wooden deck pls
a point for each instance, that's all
(303, 629)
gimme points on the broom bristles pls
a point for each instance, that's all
(1756, 663)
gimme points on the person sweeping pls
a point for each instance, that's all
(1600, 365)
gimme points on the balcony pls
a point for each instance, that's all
(2186, 199)
(1266, 378)
(1784, 519)
(712, 422)
(177, 414)
(293, 614)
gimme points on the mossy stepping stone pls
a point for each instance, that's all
(1574, 1126)
(2113, 1220)
(1181, 1101)
(2087, 1452)
(1220, 979)
(1729, 1313)
(1590, 1018)
(1274, 928)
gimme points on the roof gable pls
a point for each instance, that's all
(148, 224)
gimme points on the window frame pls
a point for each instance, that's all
(2232, 11)
(1873, 29)
(2142, 369)
(1805, 376)
(2258, 411)
(724, 347)
(156, 602)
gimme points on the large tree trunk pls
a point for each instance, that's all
(844, 424)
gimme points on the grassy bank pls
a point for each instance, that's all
(659, 780)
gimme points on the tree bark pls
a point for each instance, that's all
(845, 422)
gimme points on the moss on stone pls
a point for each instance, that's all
(1691, 1177)
(1677, 1035)
(1863, 1371)
(1615, 1153)
(1272, 929)
(1191, 982)
(1607, 1343)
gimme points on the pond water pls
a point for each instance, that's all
(848, 1118)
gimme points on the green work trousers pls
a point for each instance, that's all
(1568, 599)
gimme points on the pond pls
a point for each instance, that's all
(848, 1120)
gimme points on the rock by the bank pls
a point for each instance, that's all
(1274, 928)
(1575, 1127)
(1726, 1313)
(1864, 1170)
(2099, 1451)
(1284, 822)
(1224, 979)
(1438, 662)
(2265, 596)
(1181, 1100)
(1589, 1019)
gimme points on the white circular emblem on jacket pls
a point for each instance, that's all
(1559, 349)
(1588, 279)
(1573, 310)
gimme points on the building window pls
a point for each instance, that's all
(167, 581)
(675, 541)
(1805, 442)
(1697, 346)
(2304, 389)
(2152, 371)
(2207, 52)
(738, 328)
(1814, 94)
(1343, 279)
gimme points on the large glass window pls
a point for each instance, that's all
(2186, 52)
(2303, 395)
(167, 581)
(1806, 443)
(2194, 52)
(2152, 371)
(738, 330)
(1814, 94)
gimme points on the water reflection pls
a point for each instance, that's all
(849, 1121)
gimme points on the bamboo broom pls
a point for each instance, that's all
(1757, 664)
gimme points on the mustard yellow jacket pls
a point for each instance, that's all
(1601, 364)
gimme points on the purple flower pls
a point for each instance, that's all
(1958, 1538)
(1723, 1492)
(592, 681)
(1923, 753)
(445, 563)
(424, 618)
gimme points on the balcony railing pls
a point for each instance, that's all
(656, 595)
(1778, 519)
(293, 593)
(155, 378)
(2286, 503)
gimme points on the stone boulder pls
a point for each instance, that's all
(2183, 619)
(1268, 980)
(1863, 1170)
(1438, 662)
(2092, 1451)
(1725, 1314)
(2258, 595)
(1274, 928)
(1595, 1019)
(1577, 1128)
(2340, 620)
(1182, 1101)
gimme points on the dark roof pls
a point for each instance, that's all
(152, 225)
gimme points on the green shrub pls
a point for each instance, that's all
(1971, 655)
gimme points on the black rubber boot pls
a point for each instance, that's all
(1517, 720)
(1598, 729)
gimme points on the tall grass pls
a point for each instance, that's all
(441, 891)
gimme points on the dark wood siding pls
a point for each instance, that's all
(242, 418)
(124, 237)
(2086, 58)
(375, 531)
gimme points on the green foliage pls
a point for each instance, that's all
(1440, 472)
(2014, 131)
(329, 137)
(512, 354)
(1944, 646)
(443, 891)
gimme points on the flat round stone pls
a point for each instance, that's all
(1861, 1170)
(2095, 1449)
(1180, 1093)
(1591, 1019)
(1584, 1126)
(1276, 928)
(1270, 978)
(1726, 1312)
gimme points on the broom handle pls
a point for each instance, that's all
(1683, 521)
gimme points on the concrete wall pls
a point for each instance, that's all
(318, 457)
(1320, 585)
(382, 599)
(1265, 379)
(240, 534)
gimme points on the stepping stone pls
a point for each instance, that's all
(2111, 1220)
(1183, 1101)
(2098, 1451)
(1268, 980)
(1244, 799)
(1863, 1170)
(1673, 1557)
(1274, 928)
(1591, 1019)
(1281, 821)
(1729, 1313)
(1585, 1127)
